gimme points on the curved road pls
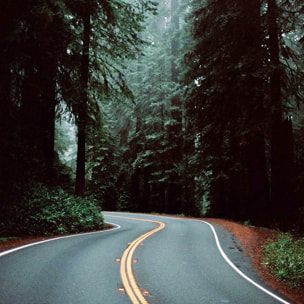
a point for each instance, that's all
(181, 264)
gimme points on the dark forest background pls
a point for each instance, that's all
(173, 106)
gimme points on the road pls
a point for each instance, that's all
(179, 264)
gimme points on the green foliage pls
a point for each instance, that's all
(123, 202)
(6, 239)
(247, 223)
(223, 74)
(156, 150)
(285, 257)
(104, 167)
(45, 211)
(151, 137)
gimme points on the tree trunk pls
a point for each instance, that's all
(32, 116)
(258, 180)
(135, 190)
(147, 190)
(48, 66)
(82, 115)
(258, 185)
(4, 129)
(281, 193)
(276, 106)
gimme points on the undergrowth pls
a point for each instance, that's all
(6, 239)
(45, 211)
(285, 258)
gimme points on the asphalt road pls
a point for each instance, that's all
(181, 264)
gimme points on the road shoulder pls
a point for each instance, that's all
(243, 245)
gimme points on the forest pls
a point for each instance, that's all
(190, 107)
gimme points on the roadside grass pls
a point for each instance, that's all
(285, 257)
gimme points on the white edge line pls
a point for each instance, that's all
(231, 264)
(239, 271)
(57, 238)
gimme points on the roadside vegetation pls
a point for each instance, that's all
(285, 257)
(52, 211)
(6, 239)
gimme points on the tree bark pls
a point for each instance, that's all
(258, 185)
(82, 115)
(49, 67)
(47, 78)
(4, 128)
(281, 193)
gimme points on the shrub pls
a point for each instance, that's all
(45, 211)
(285, 257)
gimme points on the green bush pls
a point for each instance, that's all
(45, 211)
(285, 257)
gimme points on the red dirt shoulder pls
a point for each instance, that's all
(252, 240)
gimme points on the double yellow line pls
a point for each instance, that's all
(126, 271)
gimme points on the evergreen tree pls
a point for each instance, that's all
(175, 135)
(39, 73)
(29, 60)
(225, 101)
(155, 145)
(115, 27)
(82, 107)
(282, 166)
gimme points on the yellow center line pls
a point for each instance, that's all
(126, 270)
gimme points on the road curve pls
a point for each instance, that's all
(185, 264)
(74, 270)
(180, 264)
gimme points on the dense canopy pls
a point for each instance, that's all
(172, 106)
